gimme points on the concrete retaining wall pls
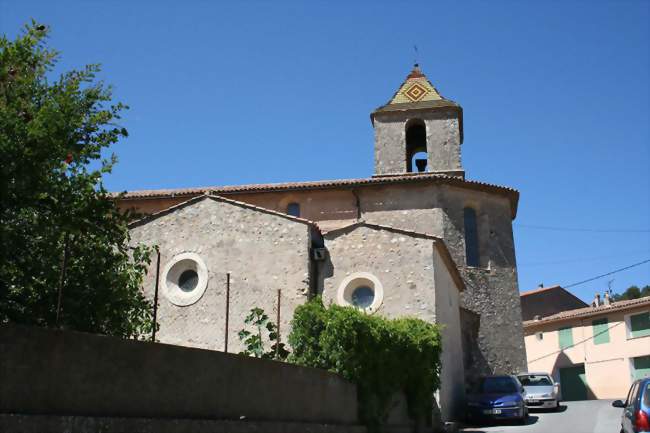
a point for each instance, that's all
(51, 372)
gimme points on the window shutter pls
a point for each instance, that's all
(601, 331)
(566, 338)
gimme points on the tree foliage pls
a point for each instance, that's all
(53, 203)
(381, 356)
(255, 341)
(632, 292)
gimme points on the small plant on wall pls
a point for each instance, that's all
(255, 341)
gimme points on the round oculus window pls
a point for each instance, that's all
(361, 290)
(362, 297)
(188, 280)
(185, 279)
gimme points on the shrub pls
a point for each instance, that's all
(381, 356)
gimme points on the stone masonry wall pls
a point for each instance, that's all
(443, 141)
(262, 252)
(416, 283)
(492, 289)
(403, 265)
(452, 375)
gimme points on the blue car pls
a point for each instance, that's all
(497, 398)
(636, 408)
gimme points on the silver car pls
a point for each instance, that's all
(541, 390)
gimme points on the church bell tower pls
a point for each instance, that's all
(418, 131)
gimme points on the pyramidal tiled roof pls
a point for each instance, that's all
(416, 93)
(416, 88)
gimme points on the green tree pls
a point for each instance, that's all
(54, 207)
(632, 292)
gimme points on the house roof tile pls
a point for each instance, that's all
(590, 311)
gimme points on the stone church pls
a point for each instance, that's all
(415, 239)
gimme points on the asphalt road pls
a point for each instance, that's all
(590, 416)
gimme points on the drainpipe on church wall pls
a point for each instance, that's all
(225, 344)
(357, 202)
(155, 297)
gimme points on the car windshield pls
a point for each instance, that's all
(495, 385)
(531, 380)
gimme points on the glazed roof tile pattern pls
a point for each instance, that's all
(416, 88)
(590, 311)
(416, 92)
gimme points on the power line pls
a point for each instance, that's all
(576, 344)
(576, 229)
(609, 273)
(583, 259)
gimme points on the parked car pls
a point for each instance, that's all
(541, 390)
(636, 408)
(497, 398)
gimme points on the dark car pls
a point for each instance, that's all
(636, 408)
(497, 398)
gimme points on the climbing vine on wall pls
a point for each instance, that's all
(381, 356)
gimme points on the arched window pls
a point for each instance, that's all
(293, 209)
(416, 146)
(472, 256)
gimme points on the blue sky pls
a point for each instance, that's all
(556, 103)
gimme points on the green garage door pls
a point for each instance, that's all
(573, 383)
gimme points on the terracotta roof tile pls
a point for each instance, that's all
(511, 193)
(538, 290)
(589, 311)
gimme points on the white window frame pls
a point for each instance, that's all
(358, 279)
(628, 324)
(171, 291)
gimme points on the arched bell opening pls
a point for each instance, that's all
(416, 146)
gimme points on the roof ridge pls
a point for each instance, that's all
(261, 209)
(438, 243)
(398, 178)
(217, 197)
(539, 290)
(363, 222)
(588, 311)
